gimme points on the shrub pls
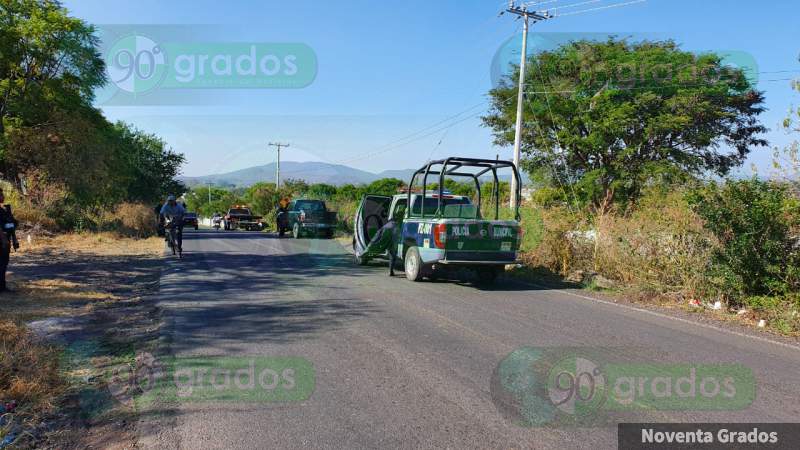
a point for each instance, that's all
(33, 217)
(345, 213)
(532, 227)
(25, 212)
(756, 223)
(565, 242)
(660, 246)
(129, 219)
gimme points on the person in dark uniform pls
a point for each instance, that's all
(387, 236)
(8, 239)
(282, 215)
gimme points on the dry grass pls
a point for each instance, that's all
(661, 247)
(57, 289)
(48, 298)
(29, 372)
(106, 243)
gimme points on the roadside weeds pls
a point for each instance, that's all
(82, 304)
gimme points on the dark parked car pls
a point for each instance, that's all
(308, 217)
(190, 220)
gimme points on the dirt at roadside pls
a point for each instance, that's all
(92, 296)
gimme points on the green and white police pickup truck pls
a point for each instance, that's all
(441, 231)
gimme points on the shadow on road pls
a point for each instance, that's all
(239, 287)
(224, 327)
(189, 234)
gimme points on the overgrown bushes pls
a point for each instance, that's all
(661, 246)
(758, 226)
(55, 213)
(130, 220)
(562, 246)
(736, 241)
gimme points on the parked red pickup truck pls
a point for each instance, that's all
(240, 217)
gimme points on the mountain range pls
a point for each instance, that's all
(310, 172)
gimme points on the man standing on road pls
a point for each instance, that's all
(281, 216)
(174, 212)
(387, 237)
(7, 239)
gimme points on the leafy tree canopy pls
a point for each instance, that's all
(607, 118)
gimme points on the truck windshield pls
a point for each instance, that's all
(240, 211)
(310, 205)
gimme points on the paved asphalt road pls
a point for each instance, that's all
(409, 365)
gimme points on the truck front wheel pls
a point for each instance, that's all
(413, 264)
(296, 231)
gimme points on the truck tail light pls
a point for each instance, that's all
(439, 235)
(520, 233)
(302, 216)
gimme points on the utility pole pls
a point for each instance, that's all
(521, 11)
(278, 165)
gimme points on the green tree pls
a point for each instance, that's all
(76, 151)
(46, 58)
(262, 198)
(786, 160)
(385, 186)
(197, 200)
(321, 191)
(293, 188)
(608, 118)
(150, 165)
(349, 192)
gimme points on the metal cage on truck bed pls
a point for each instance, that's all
(454, 167)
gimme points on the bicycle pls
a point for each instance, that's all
(172, 238)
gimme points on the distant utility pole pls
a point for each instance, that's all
(278, 165)
(521, 11)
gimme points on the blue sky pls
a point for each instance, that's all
(393, 70)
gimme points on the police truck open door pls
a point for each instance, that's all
(372, 214)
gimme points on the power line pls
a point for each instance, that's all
(430, 157)
(397, 144)
(616, 5)
(573, 5)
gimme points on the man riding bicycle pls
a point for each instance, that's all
(174, 212)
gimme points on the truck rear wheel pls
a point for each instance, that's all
(413, 264)
(296, 231)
